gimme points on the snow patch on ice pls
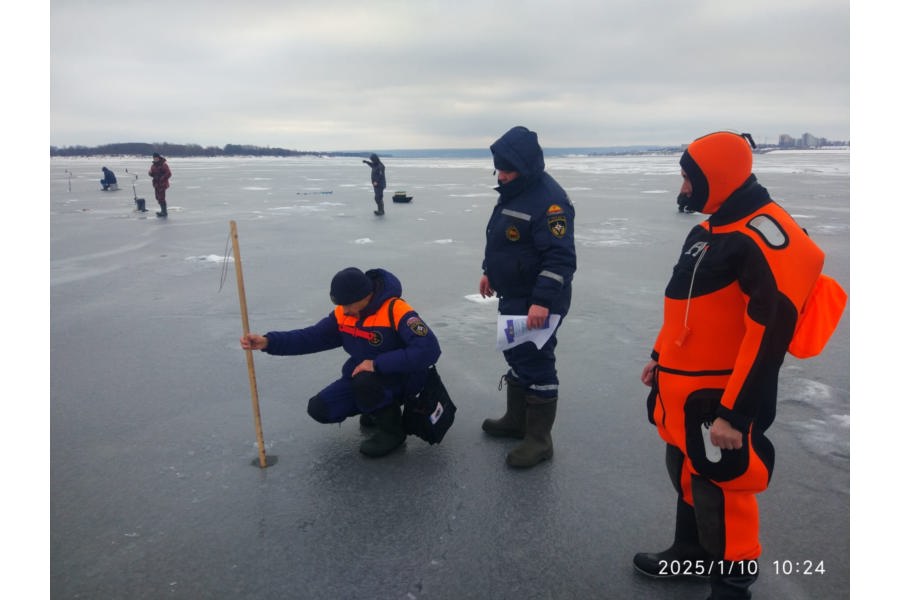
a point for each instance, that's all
(827, 436)
(213, 258)
(830, 229)
(447, 241)
(253, 188)
(303, 208)
(655, 192)
(822, 422)
(478, 299)
(613, 232)
(363, 241)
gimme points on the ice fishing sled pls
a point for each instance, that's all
(401, 198)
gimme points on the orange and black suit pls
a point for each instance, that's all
(730, 311)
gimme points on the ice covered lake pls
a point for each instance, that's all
(152, 490)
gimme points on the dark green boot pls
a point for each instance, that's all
(389, 434)
(512, 424)
(538, 445)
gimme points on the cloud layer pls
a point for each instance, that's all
(345, 75)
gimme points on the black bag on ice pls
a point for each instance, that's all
(429, 414)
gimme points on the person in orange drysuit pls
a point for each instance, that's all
(730, 311)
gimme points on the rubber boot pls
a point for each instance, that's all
(380, 204)
(511, 424)
(389, 434)
(732, 580)
(685, 551)
(163, 213)
(538, 445)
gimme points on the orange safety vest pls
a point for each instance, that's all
(372, 328)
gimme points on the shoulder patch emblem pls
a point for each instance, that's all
(512, 233)
(555, 209)
(558, 226)
(417, 326)
(375, 338)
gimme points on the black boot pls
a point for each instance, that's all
(684, 558)
(540, 413)
(162, 213)
(389, 433)
(732, 580)
(511, 424)
(380, 204)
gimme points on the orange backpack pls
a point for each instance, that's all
(818, 318)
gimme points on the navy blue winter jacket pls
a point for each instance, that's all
(378, 178)
(530, 250)
(402, 353)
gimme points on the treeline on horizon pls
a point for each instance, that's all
(186, 150)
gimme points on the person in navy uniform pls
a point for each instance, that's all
(529, 261)
(390, 350)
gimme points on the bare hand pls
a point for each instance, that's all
(484, 286)
(649, 373)
(253, 341)
(537, 316)
(366, 365)
(723, 435)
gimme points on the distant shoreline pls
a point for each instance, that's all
(144, 149)
(450, 153)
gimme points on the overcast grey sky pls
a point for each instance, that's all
(348, 75)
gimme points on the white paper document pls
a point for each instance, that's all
(512, 331)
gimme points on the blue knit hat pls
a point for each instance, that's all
(350, 285)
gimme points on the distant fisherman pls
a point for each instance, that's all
(160, 173)
(378, 181)
(109, 181)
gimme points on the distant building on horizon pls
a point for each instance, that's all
(807, 140)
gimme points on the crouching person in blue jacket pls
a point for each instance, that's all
(390, 350)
